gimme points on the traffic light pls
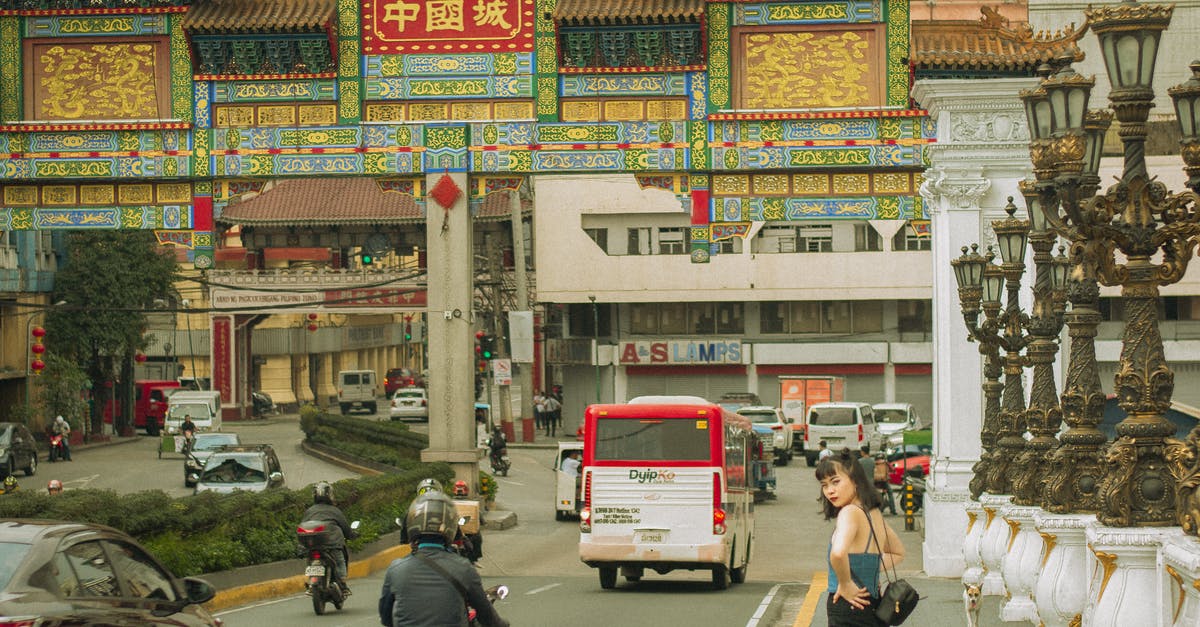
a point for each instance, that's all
(407, 329)
(487, 346)
(366, 258)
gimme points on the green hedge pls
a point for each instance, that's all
(213, 532)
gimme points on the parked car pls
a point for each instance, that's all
(396, 378)
(18, 451)
(781, 429)
(62, 573)
(202, 449)
(893, 419)
(410, 403)
(356, 390)
(898, 468)
(733, 401)
(841, 425)
(249, 467)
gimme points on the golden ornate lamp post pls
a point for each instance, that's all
(1141, 219)
(976, 284)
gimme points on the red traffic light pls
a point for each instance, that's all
(38, 332)
(479, 335)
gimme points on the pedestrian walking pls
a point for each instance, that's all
(862, 541)
(539, 411)
(553, 415)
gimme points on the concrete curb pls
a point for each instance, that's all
(327, 454)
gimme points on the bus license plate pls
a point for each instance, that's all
(314, 571)
(650, 537)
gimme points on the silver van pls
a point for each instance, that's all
(356, 390)
(841, 425)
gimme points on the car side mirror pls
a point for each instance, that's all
(276, 477)
(198, 591)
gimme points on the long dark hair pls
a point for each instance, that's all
(828, 467)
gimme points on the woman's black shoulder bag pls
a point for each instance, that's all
(899, 598)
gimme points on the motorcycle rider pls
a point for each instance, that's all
(433, 585)
(63, 428)
(324, 508)
(54, 487)
(10, 485)
(497, 444)
(472, 542)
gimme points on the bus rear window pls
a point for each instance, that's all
(830, 416)
(671, 439)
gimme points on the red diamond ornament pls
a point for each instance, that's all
(445, 192)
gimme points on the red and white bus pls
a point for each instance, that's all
(665, 487)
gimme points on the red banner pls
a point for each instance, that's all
(222, 357)
(407, 26)
(375, 297)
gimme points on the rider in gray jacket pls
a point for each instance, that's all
(415, 593)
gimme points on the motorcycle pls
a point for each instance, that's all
(498, 457)
(320, 581)
(495, 593)
(58, 449)
(263, 405)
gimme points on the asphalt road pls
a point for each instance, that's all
(538, 560)
(134, 466)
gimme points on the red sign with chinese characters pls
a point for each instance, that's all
(408, 26)
(222, 357)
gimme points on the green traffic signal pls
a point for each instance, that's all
(366, 259)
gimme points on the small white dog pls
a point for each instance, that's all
(971, 603)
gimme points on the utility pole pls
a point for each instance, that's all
(525, 378)
(495, 268)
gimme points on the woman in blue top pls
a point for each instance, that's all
(861, 539)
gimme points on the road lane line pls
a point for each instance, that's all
(816, 589)
(254, 605)
(544, 588)
(508, 482)
(762, 607)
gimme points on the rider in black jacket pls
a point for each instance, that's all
(434, 586)
(323, 508)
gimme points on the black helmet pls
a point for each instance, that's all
(429, 485)
(323, 493)
(434, 514)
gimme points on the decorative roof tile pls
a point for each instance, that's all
(253, 16)
(990, 44)
(628, 11)
(329, 201)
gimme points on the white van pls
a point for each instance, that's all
(356, 390)
(841, 425)
(203, 407)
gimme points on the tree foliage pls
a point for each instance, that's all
(60, 390)
(108, 280)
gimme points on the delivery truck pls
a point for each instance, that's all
(799, 392)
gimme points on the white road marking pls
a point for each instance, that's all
(762, 607)
(510, 482)
(82, 481)
(544, 588)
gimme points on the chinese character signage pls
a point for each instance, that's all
(409, 26)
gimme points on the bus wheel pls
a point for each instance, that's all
(720, 577)
(608, 577)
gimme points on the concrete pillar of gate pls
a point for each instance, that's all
(300, 387)
(449, 238)
(276, 378)
(326, 386)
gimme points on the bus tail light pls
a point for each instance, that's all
(776, 427)
(587, 489)
(860, 432)
(585, 519)
(718, 513)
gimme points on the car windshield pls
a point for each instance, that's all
(234, 469)
(5, 435)
(894, 416)
(732, 405)
(831, 416)
(195, 410)
(11, 556)
(206, 442)
(760, 417)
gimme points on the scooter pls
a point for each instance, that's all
(495, 593)
(320, 581)
(58, 449)
(499, 459)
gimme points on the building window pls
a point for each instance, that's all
(672, 241)
(776, 239)
(600, 236)
(914, 316)
(731, 246)
(643, 319)
(907, 239)
(639, 242)
(672, 318)
(814, 239)
(805, 317)
(835, 317)
(868, 316)
(582, 319)
(866, 238)
(772, 317)
(701, 318)
(730, 318)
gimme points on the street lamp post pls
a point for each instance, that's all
(596, 343)
(975, 288)
(1155, 232)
